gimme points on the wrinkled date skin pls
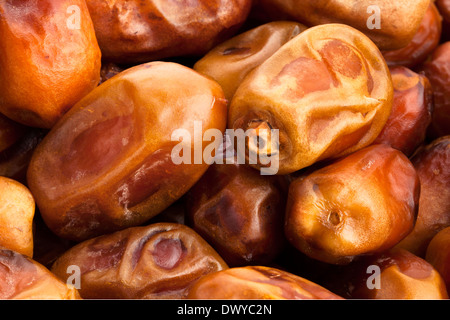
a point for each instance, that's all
(412, 109)
(22, 278)
(437, 70)
(328, 92)
(422, 44)
(393, 274)
(438, 254)
(108, 164)
(229, 62)
(361, 204)
(395, 31)
(141, 31)
(432, 163)
(257, 282)
(46, 65)
(158, 261)
(17, 209)
(239, 212)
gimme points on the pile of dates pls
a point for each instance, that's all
(233, 149)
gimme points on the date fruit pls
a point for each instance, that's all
(412, 109)
(22, 278)
(108, 165)
(432, 163)
(229, 62)
(438, 254)
(141, 31)
(327, 91)
(17, 209)
(158, 261)
(437, 70)
(257, 282)
(422, 44)
(390, 24)
(364, 203)
(50, 60)
(239, 212)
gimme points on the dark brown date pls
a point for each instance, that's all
(412, 109)
(398, 20)
(141, 31)
(239, 212)
(17, 210)
(432, 163)
(437, 70)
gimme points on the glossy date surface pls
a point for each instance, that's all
(108, 164)
(361, 204)
(48, 62)
(158, 261)
(328, 92)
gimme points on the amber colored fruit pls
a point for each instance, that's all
(438, 254)
(362, 204)
(239, 212)
(158, 261)
(50, 59)
(432, 163)
(22, 278)
(328, 92)
(108, 163)
(229, 62)
(257, 282)
(398, 20)
(141, 31)
(437, 70)
(423, 43)
(412, 109)
(394, 274)
(17, 209)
